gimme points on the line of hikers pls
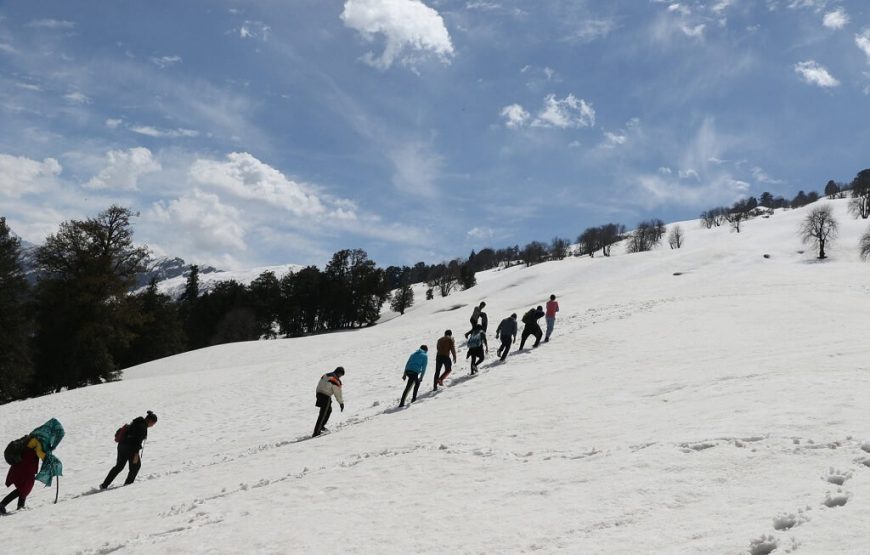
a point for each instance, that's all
(23, 456)
(330, 383)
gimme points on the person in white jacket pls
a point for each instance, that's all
(329, 385)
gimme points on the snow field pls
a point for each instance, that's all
(721, 410)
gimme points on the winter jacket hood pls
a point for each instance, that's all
(49, 435)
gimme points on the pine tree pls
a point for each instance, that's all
(15, 361)
(83, 320)
(403, 298)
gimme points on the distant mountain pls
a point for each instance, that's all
(168, 268)
(174, 286)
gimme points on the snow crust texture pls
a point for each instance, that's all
(720, 410)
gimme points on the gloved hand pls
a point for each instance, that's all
(342, 407)
(404, 376)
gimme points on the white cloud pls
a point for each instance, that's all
(51, 24)
(123, 169)
(8, 48)
(836, 19)
(113, 123)
(689, 174)
(199, 224)
(863, 42)
(150, 131)
(612, 140)
(411, 30)
(569, 112)
(482, 6)
(816, 74)
(165, 61)
(591, 30)
(76, 97)
(696, 31)
(761, 176)
(515, 115)
(21, 176)
(417, 169)
(246, 177)
(28, 87)
(721, 6)
(254, 30)
(480, 233)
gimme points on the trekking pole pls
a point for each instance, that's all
(56, 495)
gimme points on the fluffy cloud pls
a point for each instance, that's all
(836, 19)
(201, 224)
(411, 30)
(515, 115)
(569, 112)
(480, 234)
(123, 169)
(815, 74)
(863, 42)
(591, 30)
(20, 176)
(246, 177)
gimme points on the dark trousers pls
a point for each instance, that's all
(476, 356)
(413, 380)
(12, 497)
(442, 360)
(325, 404)
(505, 347)
(126, 454)
(531, 329)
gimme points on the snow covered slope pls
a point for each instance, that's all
(721, 410)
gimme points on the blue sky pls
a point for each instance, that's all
(262, 132)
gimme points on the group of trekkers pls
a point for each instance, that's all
(24, 454)
(445, 357)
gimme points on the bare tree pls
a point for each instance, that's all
(675, 238)
(818, 228)
(559, 248)
(736, 218)
(865, 245)
(859, 206)
(647, 235)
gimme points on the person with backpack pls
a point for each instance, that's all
(444, 349)
(475, 316)
(328, 386)
(415, 368)
(531, 327)
(507, 333)
(552, 309)
(23, 456)
(476, 344)
(130, 438)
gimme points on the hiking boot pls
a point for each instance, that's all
(104, 486)
(2, 510)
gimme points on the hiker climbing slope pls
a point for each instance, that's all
(476, 344)
(328, 386)
(24, 455)
(475, 317)
(444, 349)
(507, 333)
(552, 309)
(415, 368)
(531, 327)
(130, 438)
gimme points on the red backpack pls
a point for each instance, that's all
(121, 433)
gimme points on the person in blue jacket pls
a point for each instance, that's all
(414, 371)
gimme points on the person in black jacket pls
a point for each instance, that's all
(129, 447)
(507, 332)
(530, 319)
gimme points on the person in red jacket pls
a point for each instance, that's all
(552, 309)
(22, 475)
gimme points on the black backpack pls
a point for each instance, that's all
(529, 317)
(14, 452)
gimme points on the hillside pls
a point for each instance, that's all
(703, 400)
